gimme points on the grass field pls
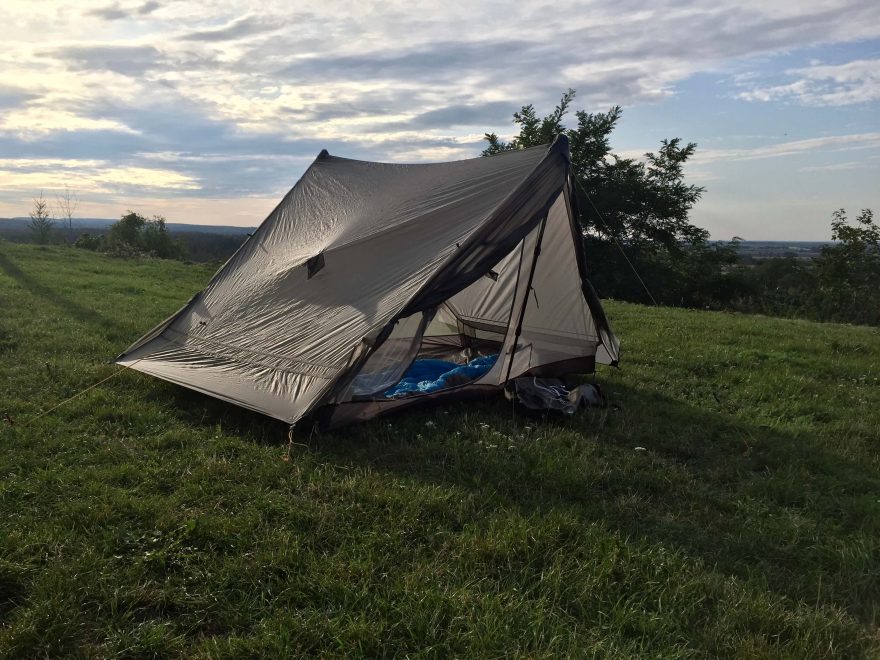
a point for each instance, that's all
(144, 520)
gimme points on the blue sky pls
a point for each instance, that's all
(208, 112)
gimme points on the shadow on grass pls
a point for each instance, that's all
(781, 511)
(78, 312)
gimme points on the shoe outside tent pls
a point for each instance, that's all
(365, 268)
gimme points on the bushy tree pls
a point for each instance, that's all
(156, 240)
(127, 230)
(849, 270)
(780, 286)
(91, 242)
(41, 222)
(636, 206)
(134, 234)
(643, 202)
(842, 284)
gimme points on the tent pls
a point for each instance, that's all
(365, 267)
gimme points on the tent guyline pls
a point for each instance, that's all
(616, 242)
(367, 271)
(33, 419)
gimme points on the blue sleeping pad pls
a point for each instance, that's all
(428, 375)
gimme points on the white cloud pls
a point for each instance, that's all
(697, 166)
(822, 84)
(791, 148)
(430, 55)
(89, 177)
(33, 122)
(835, 167)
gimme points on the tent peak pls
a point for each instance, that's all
(561, 143)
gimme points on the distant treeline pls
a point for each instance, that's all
(199, 246)
(840, 282)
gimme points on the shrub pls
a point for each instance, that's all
(135, 235)
(91, 242)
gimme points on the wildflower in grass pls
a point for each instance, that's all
(429, 423)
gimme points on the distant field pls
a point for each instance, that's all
(144, 520)
(90, 224)
(750, 251)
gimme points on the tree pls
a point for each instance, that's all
(156, 240)
(842, 284)
(126, 231)
(644, 202)
(134, 234)
(849, 270)
(41, 222)
(67, 203)
(91, 242)
(642, 206)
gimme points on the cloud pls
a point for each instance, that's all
(11, 97)
(126, 60)
(794, 147)
(116, 13)
(148, 7)
(481, 114)
(110, 13)
(35, 122)
(237, 29)
(477, 114)
(90, 177)
(834, 167)
(851, 83)
(441, 59)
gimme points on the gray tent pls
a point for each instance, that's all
(364, 267)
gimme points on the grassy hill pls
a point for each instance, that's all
(144, 520)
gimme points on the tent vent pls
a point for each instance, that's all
(315, 264)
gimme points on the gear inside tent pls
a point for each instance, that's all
(375, 286)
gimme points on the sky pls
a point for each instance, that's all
(208, 112)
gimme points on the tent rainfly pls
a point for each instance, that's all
(365, 267)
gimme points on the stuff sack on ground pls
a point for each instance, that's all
(543, 395)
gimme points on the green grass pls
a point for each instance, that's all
(144, 520)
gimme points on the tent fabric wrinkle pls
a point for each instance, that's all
(345, 275)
